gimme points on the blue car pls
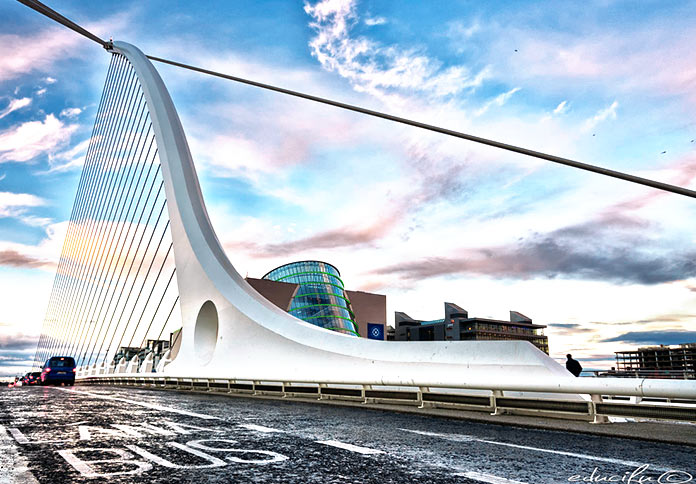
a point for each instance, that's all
(57, 370)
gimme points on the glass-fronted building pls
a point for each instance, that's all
(320, 298)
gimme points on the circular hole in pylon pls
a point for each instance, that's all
(206, 332)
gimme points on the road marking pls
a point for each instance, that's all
(81, 422)
(259, 428)
(13, 464)
(350, 447)
(142, 404)
(491, 479)
(470, 438)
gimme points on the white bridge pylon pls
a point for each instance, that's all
(230, 331)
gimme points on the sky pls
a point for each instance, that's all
(417, 216)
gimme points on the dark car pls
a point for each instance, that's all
(33, 378)
(57, 370)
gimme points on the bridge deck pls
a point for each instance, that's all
(69, 434)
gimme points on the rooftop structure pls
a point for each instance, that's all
(458, 326)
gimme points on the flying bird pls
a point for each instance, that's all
(663, 152)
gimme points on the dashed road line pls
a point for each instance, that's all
(489, 478)
(350, 447)
(142, 404)
(13, 464)
(259, 428)
(471, 438)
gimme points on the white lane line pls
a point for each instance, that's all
(489, 478)
(350, 447)
(259, 428)
(12, 462)
(470, 438)
(81, 422)
(142, 404)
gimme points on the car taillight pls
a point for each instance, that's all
(47, 370)
(74, 370)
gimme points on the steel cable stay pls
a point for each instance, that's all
(159, 335)
(86, 344)
(106, 171)
(68, 241)
(93, 345)
(154, 315)
(149, 296)
(135, 257)
(83, 333)
(100, 236)
(92, 215)
(80, 318)
(130, 291)
(157, 357)
(101, 224)
(135, 304)
(132, 218)
(62, 273)
(132, 240)
(84, 254)
(118, 222)
(108, 289)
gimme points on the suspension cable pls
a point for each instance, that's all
(52, 14)
(39, 7)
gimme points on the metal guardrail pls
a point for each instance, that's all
(655, 374)
(596, 409)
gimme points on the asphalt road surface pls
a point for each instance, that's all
(97, 434)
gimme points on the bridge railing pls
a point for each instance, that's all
(594, 408)
(654, 374)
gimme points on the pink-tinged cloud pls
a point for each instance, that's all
(651, 59)
(12, 258)
(20, 54)
(605, 249)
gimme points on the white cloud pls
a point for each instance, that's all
(71, 158)
(601, 59)
(3, 176)
(70, 112)
(602, 115)
(16, 204)
(50, 80)
(14, 105)
(375, 21)
(561, 108)
(41, 92)
(372, 67)
(499, 100)
(459, 32)
(33, 138)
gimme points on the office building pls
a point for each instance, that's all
(458, 326)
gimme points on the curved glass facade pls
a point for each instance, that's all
(320, 299)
